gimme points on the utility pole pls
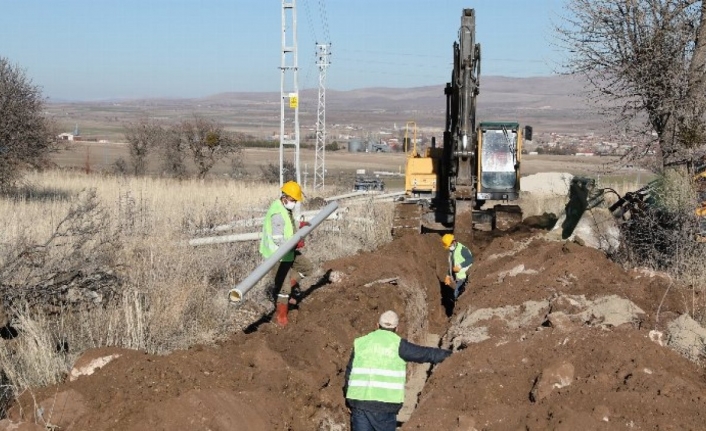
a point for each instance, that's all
(289, 89)
(323, 52)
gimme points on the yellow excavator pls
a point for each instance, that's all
(448, 187)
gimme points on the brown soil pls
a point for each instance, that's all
(556, 369)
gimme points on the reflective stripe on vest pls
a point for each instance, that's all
(377, 373)
(458, 258)
(267, 243)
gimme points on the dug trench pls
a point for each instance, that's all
(549, 335)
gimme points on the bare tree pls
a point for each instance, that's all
(26, 137)
(647, 58)
(207, 142)
(142, 137)
(173, 160)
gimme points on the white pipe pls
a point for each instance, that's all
(345, 196)
(376, 197)
(250, 236)
(388, 173)
(360, 220)
(389, 195)
(258, 221)
(236, 294)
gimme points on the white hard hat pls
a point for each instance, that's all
(389, 320)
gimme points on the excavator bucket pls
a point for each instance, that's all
(507, 216)
(583, 195)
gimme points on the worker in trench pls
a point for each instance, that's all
(278, 227)
(460, 262)
(377, 372)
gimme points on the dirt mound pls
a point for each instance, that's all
(548, 335)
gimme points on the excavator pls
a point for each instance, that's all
(448, 187)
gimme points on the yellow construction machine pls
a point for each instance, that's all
(420, 175)
(447, 187)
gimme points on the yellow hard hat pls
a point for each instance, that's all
(447, 240)
(293, 190)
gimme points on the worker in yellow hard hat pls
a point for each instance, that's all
(460, 261)
(277, 228)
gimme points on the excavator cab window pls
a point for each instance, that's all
(498, 159)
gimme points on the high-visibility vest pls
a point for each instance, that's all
(267, 243)
(457, 259)
(377, 373)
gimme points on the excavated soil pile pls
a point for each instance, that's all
(549, 335)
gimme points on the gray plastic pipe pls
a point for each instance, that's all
(236, 294)
(346, 196)
(258, 221)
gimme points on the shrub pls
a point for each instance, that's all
(26, 137)
(270, 172)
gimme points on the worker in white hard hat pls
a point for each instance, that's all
(376, 374)
(277, 228)
(460, 261)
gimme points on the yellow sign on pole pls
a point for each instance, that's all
(293, 100)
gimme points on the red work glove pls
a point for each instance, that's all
(302, 223)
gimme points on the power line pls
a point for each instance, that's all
(324, 20)
(411, 54)
(309, 19)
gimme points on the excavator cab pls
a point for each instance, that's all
(498, 174)
(500, 146)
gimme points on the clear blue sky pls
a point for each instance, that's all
(100, 49)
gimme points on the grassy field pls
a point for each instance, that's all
(171, 295)
(341, 165)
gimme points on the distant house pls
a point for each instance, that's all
(66, 137)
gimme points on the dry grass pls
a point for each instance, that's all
(173, 295)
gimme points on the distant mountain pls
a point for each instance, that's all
(550, 104)
(555, 102)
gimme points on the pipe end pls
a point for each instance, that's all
(235, 295)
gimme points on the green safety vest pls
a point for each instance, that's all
(267, 243)
(377, 373)
(458, 257)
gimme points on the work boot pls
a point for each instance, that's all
(296, 294)
(281, 314)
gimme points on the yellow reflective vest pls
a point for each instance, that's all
(377, 372)
(267, 243)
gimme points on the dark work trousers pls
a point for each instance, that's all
(460, 288)
(363, 420)
(288, 274)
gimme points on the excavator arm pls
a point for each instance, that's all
(460, 138)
